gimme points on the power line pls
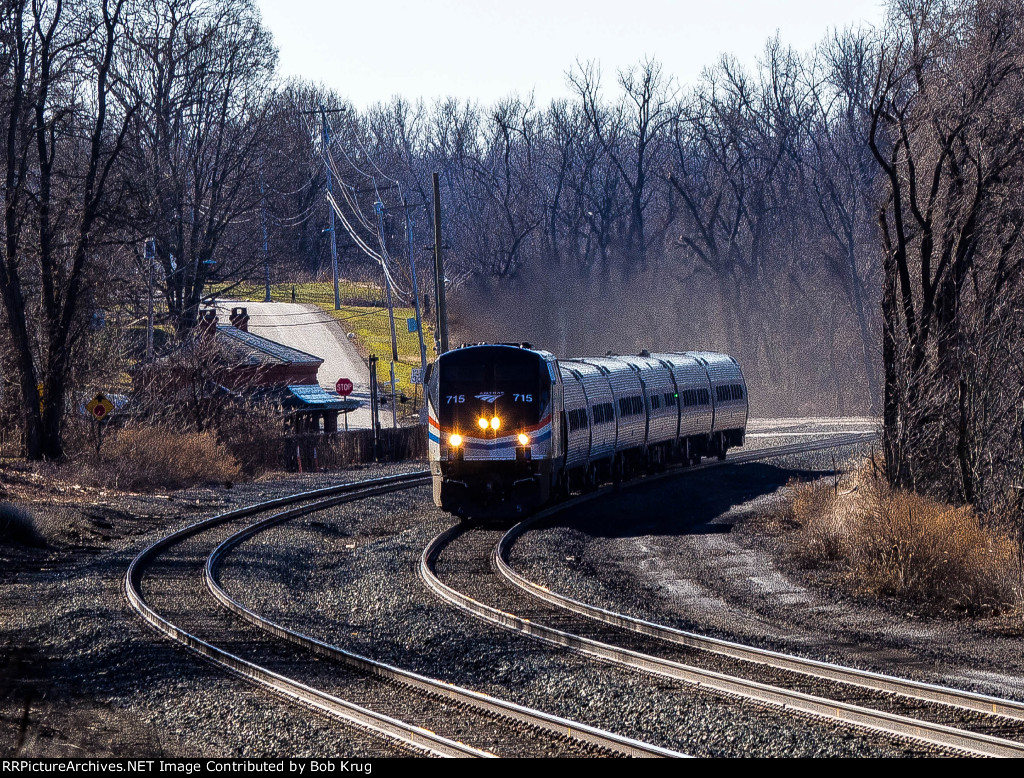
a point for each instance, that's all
(383, 257)
(367, 153)
(354, 165)
(352, 233)
(312, 178)
(294, 221)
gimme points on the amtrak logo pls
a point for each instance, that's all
(490, 397)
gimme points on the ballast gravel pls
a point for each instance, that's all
(697, 558)
(82, 675)
(353, 582)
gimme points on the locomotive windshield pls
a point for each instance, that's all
(505, 383)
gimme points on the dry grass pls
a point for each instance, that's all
(898, 544)
(153, 457)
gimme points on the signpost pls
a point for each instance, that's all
(99, 407)
(343, 387)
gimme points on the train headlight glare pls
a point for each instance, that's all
(455, 440)
(524, 440)
(482, 422)
(495, 423)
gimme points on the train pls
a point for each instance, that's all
(511, 428)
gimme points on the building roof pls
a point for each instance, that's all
(247, 348)
(312, 397)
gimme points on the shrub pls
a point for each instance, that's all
(900, 544)
(253, 434)
(18, 527)
(917, 548)
(825, 533)
(154, 457)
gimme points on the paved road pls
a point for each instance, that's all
(308, 328)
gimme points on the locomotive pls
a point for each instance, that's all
(511, 427)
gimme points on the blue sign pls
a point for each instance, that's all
(411, 323)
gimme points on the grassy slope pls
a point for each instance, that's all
(368, 322)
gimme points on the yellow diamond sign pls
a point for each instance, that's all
(99, 406)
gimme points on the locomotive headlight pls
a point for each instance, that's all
(495, 423)
(455, 440)
(482, 422)
(524, 440)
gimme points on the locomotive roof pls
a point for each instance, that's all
(515, 346)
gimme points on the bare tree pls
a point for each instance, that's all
(631, 134)
(945, 109)
(200, 69)
(506, 179)
(843, 180)
(66, 130)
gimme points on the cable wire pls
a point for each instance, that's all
(352, 233)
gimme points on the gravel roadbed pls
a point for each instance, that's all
(82, 675)
(693, 555)
(354, 583)
(174, 586)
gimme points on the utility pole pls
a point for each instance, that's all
(415, 291)
(439, 294)
(263, 224)
(330, 191)
(379, 208)
(373, 404)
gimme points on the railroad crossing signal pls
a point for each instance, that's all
(99, 406)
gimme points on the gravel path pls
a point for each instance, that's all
(465, 558)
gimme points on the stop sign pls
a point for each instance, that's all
(343, 387)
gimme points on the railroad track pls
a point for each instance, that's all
(359, 686)
(938, 716)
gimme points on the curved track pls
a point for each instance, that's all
(956, 698)
(931, 714)
(516, 730)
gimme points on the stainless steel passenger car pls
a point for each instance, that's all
(694, 389)
(627, 402)
(659, 396)
(598, 418)
(729, 394)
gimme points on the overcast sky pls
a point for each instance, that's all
(484, 51)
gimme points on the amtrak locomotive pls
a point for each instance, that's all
(511, 427)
